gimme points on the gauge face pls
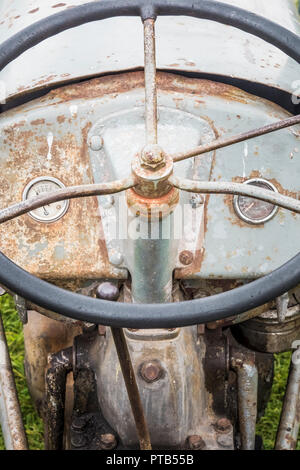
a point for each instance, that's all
(252, 210)
(51, 212)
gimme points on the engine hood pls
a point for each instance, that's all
(114, 45)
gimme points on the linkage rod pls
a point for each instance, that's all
(71, 192)
(132, 388)
(226, 142)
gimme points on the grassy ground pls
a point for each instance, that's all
(34, 428)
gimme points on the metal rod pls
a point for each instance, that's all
(247, 377)
(60, 364)
(211, 187)
(150, 82)
(10, 412)
(221, 143)
(290, 417)
(71, 192)
(132, 388)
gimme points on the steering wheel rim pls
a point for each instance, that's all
(169, 315)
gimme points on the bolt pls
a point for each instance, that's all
(196, 443)
(152, 156)
(78, 440)
(223, 425)
(96, 142)
(79, 423)
(151, 371)
(224, 440)
(115, 258)
(186, 257)
(107, 291)
(108, 441)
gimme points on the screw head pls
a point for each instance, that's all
(151, 371)
(107, 291)
(152, 156)
(108, 441)
(186, 257)
(116, 258)
(223, 425)
(95, 142)
(196, 443)
(79, 423)
(78, 440)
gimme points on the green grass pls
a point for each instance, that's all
(14, 335)
(33, 425)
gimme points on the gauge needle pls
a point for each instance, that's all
(45, 211)
(250, 207)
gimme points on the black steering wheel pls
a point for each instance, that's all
(169, 315)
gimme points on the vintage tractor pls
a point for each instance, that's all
(150, 219)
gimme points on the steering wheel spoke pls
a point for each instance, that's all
(227, 141)
(239, 189)
(72, 192)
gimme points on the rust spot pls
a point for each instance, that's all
(34, 11)
(58, 5)
(61, 118)
(37, 122)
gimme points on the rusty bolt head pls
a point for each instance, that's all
(196, 443)
(151, 371)
(107, 291)
(152, 156)
(186, 257)
(223, 425)
(108, 441)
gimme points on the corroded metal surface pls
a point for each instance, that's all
(52, 136)
(43, 336)
(247, 376)
(150, 82)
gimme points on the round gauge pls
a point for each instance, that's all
(50, 212)
(252, 210)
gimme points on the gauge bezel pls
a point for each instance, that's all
(45, 179)
(242, 216)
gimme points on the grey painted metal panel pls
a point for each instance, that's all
(117, 44)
